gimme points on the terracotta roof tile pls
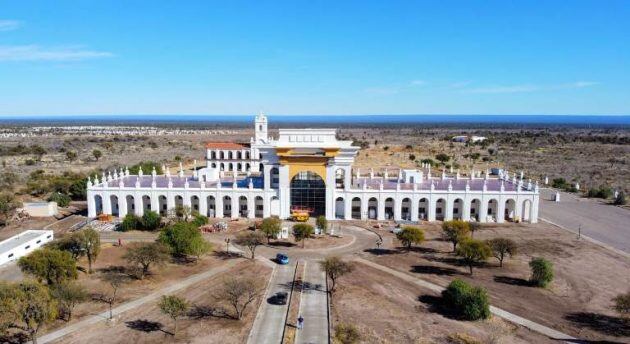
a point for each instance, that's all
(226, 145)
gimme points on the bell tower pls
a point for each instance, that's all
(261, 128)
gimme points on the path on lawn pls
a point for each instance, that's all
(513, 318)
(313, 306)
(83, 324)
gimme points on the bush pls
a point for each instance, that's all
(601, 192)
(322, 223)
(471, 303)
(542, 272)
(200, 220)
(184, 239)
(150, 220)
(347, 334)
(130, 222)
(410, 235)
(622, 303)
(61, 199)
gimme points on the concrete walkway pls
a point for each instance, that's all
(313, 306)
(83, 324)
(270, 319)
(513, 318)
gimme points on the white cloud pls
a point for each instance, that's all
(9, 25)
(37, 53)
(581, 84)
(530, 88)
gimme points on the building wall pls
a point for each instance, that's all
(26, 247)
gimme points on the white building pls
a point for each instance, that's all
(22, 244)
(312, 169)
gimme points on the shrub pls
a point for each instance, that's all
(455, 231)
(199, 220)
(347, 334)
(542, 272)
(601, 192)
(620, 199)
(410, 235)
(322, 223)
(150, 220)
(184, 239)
(471, 303)
(622, 303)
(61, 199)
(130, 222)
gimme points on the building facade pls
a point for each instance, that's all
(310, 169)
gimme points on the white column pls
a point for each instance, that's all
(466, 209)
(107, 203)
(381, 208)
(483, 209)
(347, 207)
(414, 208)
(285, 192)
(203, 204)
(397, 208)
(170, 202)
(330, 192)
(155, 203)
(235, 207)
(218, 205)
(91, 204)
(364, 207)
(431, 208)
(137, 202)
(267, 205)
(448, 211)
(251, 206)
(501, 210)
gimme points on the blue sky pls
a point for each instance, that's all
(314, 57)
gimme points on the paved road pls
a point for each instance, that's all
(313, 307)
(270, 319)
(603, 222)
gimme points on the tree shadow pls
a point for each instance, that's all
(14, 338)
(436, 304)
(420, 249)
(145, 325)
(435, 270)
(223, 255)
(606, 324)
(281, 244)
(446, 260)
(381, 251)
(513, 281)
(184, 260)
(203, 311)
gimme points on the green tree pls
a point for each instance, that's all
(443, 158)
(455, 231)
(474, 227)
(142, 255)
(347, 334)
(473, 252)
(183, 212)
(90, 243)
(251, 240)
(147, 167)
(61, 199)
(175, 307)
(184, 239)
(70, 243)
(302, 231)
(271, 226)
(334, 268)
(502, 247)
(68, 295)
(409, 236)
(71, 156)
(471, 303)
(26, 306)
(97, 154)
(542, 272)
(8, 205)
(199, 220)
(622, 303)
(130, 222)
(322, 223)
(150, 220)
(49, 265)
(239, 293)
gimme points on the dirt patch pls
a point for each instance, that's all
(587, 276)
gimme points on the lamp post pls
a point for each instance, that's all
(227, 245)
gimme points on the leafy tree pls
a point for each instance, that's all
(71, 244)
(130, 222)
(622, 303)
(347, 334)
(271, 226)
(182, 212)
(251, 240)
(542, 272)
(502, 247)
(239, 293)
(302, 231)
(455, 231)
(443, 158)
(26, 306)
(174, 307)
(142, 255)
(150, 220)
(61, 199)
(412, 157)
(91, 245)
(473, 226)
(50, 265)
(409, 236)
(322, 223)
(68, 295)
(97, 154)
(199, 220)
(334, 268)
(473, 252)
(184, 239)
(8, 205)
(471, 303)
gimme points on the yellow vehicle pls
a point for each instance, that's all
(300, 214)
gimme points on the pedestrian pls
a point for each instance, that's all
(300, 322)
(119, 242)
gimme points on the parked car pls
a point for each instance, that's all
(279, 298)
(396, 229)
(282, 259)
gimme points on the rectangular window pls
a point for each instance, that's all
(438, 211)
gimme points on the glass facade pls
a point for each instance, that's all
(308, 192)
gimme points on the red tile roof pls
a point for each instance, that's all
(226, 145)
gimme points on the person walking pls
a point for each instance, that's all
(300, 322)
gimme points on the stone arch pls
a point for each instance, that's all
(458, 209)
(356, 208)
(131, 204)
(440, 209)
(340, 209)
(373, 208)
(423, 208)
(146, 203)
(227, 206)
(510, 210)
(211, 212)
(230, 156)
(239, 155)
(194, 203)
(98, 204)
(162, 205)
(405, 209)
(389, 208)
(113, 201)
(179, 201)
(221, 155)
(475, 209)
(340, 177)
(259, 207)
(243, 210)
(527, 211)
(493, 209)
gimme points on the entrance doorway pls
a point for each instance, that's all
(308, 192)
